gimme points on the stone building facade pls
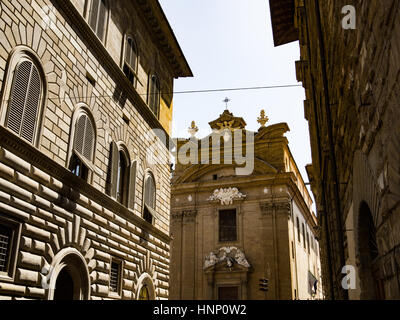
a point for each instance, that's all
(84, 214)
(349, 67)
(233, 229)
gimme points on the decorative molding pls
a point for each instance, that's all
(189, 215)
(226, 196)
(279, 207)
(231, 255)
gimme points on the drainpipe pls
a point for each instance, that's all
(330, 138)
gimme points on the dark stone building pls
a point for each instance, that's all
(350, 67)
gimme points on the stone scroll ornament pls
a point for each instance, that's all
(229, 254)
(226, 196)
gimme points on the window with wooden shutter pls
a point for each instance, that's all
(83, 147)
(132, 185)
(130, 61)
(24, 104)
(149, 198)
(98, 17)
(154, 95)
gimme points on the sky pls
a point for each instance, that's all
(229, 44)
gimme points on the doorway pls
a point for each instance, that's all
(64, 286)
(372, 286)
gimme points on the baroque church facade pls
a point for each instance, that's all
(240, 235)
(83, 213)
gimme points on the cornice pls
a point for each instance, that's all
(72, 185)
(157, 23)
(280, 207)
(94, 44)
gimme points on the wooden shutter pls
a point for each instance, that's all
(102, 19)
(132, 185)
(24, 101)
(84, 137)
(150, 192)
(113, 170)
(131, 53)
(31, 106)
(93, 14)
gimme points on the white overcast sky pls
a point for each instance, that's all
(229, 44)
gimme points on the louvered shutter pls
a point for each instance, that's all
(132, 185)
(131, 53)
(102, 19)
(89, 140)
(24, 101)
(84, 137)
(94, 14)
(150, 192)
(31, 106)
(113, 172)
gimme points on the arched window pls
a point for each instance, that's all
(149, 198)
(84, 139)
(144, 293)
(121, 178)
(298, 229)
(25, 99)
(304, 235)
(154, 95)
(98, 17)
(130, 59)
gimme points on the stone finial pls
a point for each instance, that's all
(193, 129)
(262, 119)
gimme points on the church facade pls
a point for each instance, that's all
(83, 213)
(237, 233)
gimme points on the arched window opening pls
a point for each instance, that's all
(372, 284)
(130, 61)
(98, 17)
(24, 103)
(83, 147)
(154, 95)
(144, 293)
(122, 178)
(149, 198)
(304, 235)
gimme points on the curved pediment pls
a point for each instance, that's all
(196, 172)
(273, 131)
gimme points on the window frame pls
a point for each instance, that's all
(15, 226)
(133, 69)
(149, 93)
(80, 110)
(119, 262)
(236, 225)
(17, 56)
(89, 4)
(150, 210)
(123, 152)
